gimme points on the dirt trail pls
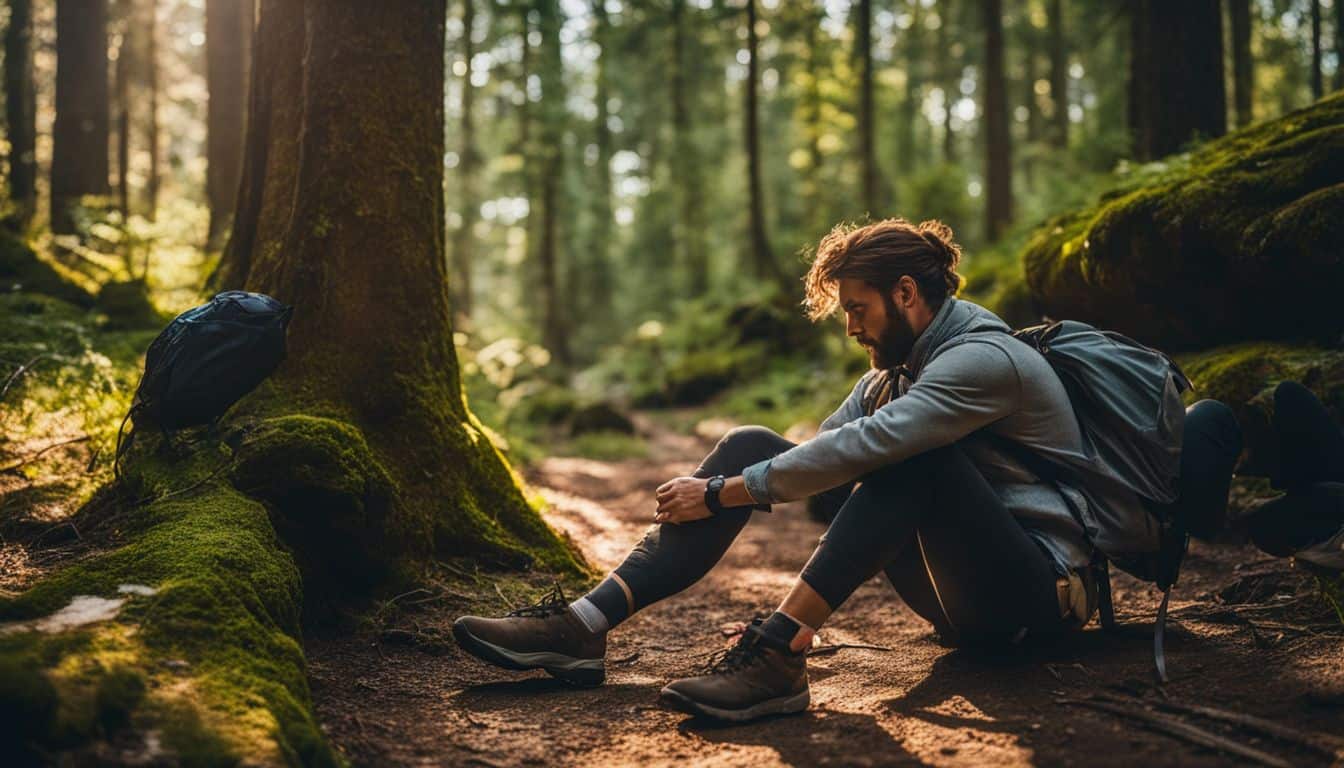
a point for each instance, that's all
(1267, 651)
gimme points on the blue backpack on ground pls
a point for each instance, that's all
(205, 361)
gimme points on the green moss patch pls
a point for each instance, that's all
(211, 659)
(1239, 238)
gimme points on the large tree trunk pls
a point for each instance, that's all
(1317, 80)
(121, 78)
(863, 54)
(20, 110)
(80, 132)
(1176, 89)
(1059, 77)
(1243, 82)
(463, 236)
(341, 216)
(998, 141)
(762, 255)
(228, 34)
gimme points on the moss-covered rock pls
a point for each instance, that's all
(600, 417)
(1244, 376)
(1241, 238)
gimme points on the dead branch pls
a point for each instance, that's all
(22, 369)
(34, 457)
(1179, 729)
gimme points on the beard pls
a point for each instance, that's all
(894, 343)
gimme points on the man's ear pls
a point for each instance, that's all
(904, 291)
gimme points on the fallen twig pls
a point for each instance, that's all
(506, 600)
(22, 369)
(827, 650)
(30, 459)
(1323, 744)
(1180, 730)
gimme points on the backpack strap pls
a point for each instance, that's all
(122, 448)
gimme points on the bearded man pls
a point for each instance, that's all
(919, 463)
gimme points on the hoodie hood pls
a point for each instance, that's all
(954, 318)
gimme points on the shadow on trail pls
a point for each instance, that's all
(809, 738)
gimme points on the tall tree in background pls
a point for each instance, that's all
(1239, 14)
(863, 55)
(1339, 44)
(555, 321)
(152, 184)
(913, 37)
(1059, 76)
(690, 239)
(341, 215)
(79, 163)
(998, 140)
(950, 75)
(228, 33)
(121, 97)
(21, 110)
(598, 282)
(1317, 80)
(1176, 89)
(463, 236)
(762, 255)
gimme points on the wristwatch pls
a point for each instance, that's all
(712, 493)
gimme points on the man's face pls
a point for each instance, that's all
(876, 322)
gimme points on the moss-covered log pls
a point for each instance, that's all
(1242, 238)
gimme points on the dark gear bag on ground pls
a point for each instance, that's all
(205, 361)
(1127, 398)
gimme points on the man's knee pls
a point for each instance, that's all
(752, 440)
(1215, 422)
(922, 468)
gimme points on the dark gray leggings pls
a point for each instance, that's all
(930, 520)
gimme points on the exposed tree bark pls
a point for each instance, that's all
(555, 319)
(341, 216)
(598, 277)
(21, 110)
(1059, 77)
(463, 236)
(80, 133)
(998, 140)
(762, 255)
(1317, 80)
(863, 53)
(690, 239)
(228, 33)
(1176, 89)
(1243, 81)
(152, 125)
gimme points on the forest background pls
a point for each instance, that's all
(627, 197)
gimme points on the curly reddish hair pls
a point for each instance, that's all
(880, 254)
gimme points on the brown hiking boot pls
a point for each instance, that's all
(546, 635)
(756, 677)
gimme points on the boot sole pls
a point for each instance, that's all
(784, 705)
(586, 673)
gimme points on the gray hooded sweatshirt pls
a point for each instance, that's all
(965, 376)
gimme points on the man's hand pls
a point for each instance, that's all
(681, 500)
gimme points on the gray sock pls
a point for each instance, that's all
(591, 617)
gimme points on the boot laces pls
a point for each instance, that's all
(550, 604)
(746, 651)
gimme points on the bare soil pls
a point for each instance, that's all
(1248, 636)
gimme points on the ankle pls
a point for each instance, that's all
(803, 640)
